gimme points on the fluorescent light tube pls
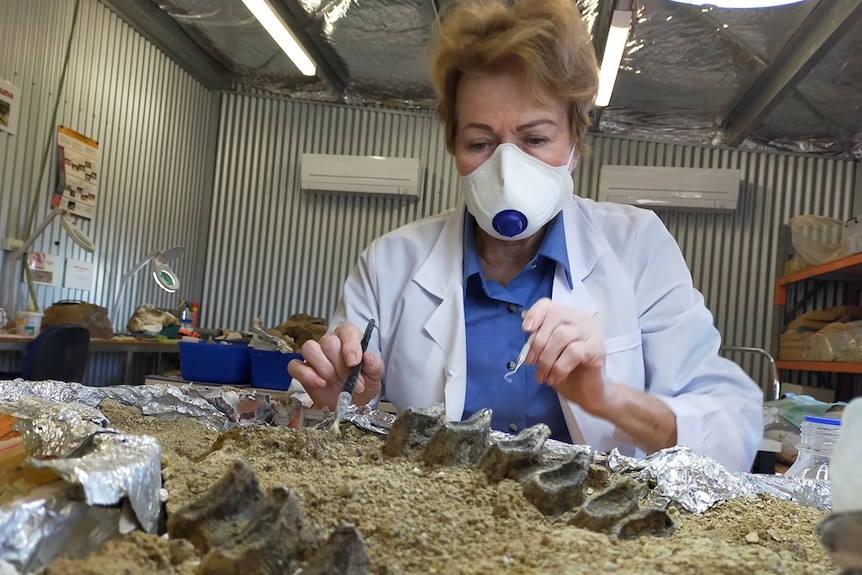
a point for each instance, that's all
(738, 3)
(282, 35)
(618, 35)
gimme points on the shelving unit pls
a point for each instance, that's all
(846, 270)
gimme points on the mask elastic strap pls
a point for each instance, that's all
(572, 162)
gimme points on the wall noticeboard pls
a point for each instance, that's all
(77, 173)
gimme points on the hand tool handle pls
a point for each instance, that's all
(350, 383)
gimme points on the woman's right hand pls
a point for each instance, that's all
(327, 364)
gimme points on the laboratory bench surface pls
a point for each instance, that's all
(14, 342)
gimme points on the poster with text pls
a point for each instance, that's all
(10, 106)
(78, 173)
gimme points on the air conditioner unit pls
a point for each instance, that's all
(679, 188)
(361, 175)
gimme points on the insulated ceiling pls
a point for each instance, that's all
(787, 78)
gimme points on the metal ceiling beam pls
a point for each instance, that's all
(825, 26)
(158, 27)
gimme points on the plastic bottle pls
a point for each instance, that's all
(186, 324)
(196, 314)
(818, 439)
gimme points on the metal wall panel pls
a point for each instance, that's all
(277, 250)
(735, 257)
(156, 128)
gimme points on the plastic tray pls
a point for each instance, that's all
(228, 364)
(269, 369)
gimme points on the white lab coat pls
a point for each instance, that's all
(627, 271)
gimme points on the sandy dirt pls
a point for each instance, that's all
(417, 519)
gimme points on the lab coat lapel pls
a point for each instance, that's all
(442, 277)
(585, 247)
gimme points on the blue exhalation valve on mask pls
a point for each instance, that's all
(510, 223)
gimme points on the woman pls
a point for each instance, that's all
(622, 352)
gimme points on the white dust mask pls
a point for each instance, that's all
(512, 194)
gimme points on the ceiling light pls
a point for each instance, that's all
(618, 35)
(738, 3)
(282, 35)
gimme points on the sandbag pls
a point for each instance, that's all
(91, 316)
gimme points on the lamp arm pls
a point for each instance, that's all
(29, 241)
(135, 269)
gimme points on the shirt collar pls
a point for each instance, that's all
(553, 247)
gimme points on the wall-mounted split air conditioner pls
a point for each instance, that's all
(361, 175)
(678, 188)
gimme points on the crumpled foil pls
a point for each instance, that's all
(101, 467)
(112, 479)
(160, 400)
(373, 420)
(696, 482)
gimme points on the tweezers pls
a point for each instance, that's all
(521, 357)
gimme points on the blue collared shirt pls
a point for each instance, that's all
(494, 337)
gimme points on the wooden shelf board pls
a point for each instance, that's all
(849, 268)
(830, 366)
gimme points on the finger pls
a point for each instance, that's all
(372, 368)
(576, 356)
(305, 374)
(536, 315)
(568, 345)
(371, 375)
(317, 354)
(351, 343)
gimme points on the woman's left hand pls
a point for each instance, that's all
(569, 352)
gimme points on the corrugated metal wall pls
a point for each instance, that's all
(277, 250)
(156, 128)
(274, 250)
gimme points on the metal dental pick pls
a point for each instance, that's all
(521, 357)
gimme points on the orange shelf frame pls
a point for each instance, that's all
(828, 366)
(849, 268)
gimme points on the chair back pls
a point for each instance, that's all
(59, 352)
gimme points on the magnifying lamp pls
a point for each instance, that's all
(74, 232)
(162, 274)
(79, 237)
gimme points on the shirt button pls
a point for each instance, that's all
(510, 365)
(512, 308)
(534, 265)
(513, 428)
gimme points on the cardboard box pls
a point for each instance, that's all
(818, 393)
(792, 344)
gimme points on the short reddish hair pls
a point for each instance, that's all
(546, 40)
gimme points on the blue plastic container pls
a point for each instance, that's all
(269, 369)
(220, 363)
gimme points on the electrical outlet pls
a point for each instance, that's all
(10, 244)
